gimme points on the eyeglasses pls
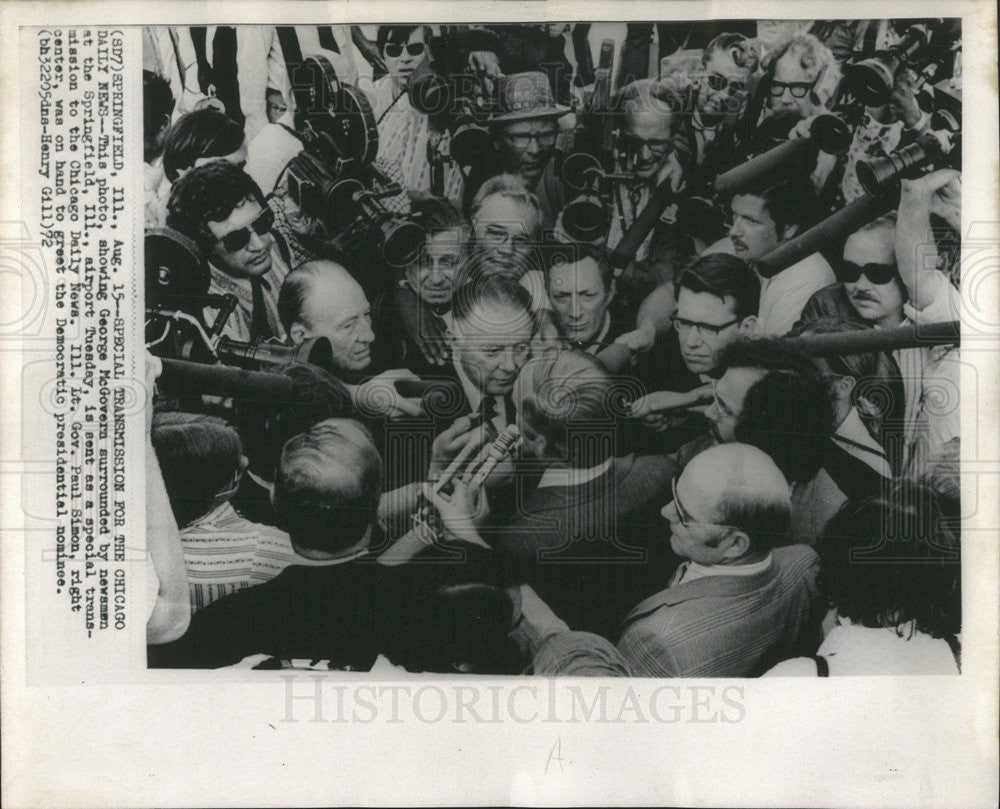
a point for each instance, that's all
(238, 239)
(684, 518)
(498, 236)
(798, 89)
(703, 329)
(878, 274)
(634, 144)
(519, 141)
(395, 49)
(718, 82)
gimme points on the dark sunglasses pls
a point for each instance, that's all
(878, 274)
(395, 49)
(717, 82)
(798, 89)
(238, 239)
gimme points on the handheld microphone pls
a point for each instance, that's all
(498, 451)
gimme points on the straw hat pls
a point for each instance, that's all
(526, 96)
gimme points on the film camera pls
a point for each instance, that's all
(455, 100)
(939, 147)
(179, 306)
(921, 49)
(334, 179)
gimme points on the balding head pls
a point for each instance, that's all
(321, 299)
(736, 505)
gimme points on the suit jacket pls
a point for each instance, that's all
(594, 549)
(727, 626)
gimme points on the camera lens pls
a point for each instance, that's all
(584, 220)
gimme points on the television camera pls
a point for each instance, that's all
(922, 48)
(938, 147)
(179, 307)
(334, 179)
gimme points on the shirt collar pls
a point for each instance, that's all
(853, 437)
(697, 571)
(561, 476)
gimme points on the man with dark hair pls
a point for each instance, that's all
(775, 398)
(889, 277)
(221, 208)
(157, 107)
(741, 601)
(334, 603)
(892, 579)
(581, 288)
(203, 463)
(717, 299)
(201, 137)
(762, 219)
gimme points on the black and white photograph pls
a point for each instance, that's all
(608, 350)
(456, 403)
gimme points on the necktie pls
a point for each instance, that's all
(489, 408)
(225, 71)
(260, 325)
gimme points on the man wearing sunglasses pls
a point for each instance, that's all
(888, 278)
(717, 92)
(222, 209)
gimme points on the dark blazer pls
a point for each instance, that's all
(593, 550)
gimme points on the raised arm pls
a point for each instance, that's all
(916, 252)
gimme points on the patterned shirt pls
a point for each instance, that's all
(224, 553)
(238, 327)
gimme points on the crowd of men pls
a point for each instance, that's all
(691, 493)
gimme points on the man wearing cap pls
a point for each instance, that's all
(524, 131)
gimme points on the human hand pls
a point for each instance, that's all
(664, 400)
(673, 172)
(486, 65)
(939, 192)
(460, 439)
(379, 397)
(903, 99)
(458, 512)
